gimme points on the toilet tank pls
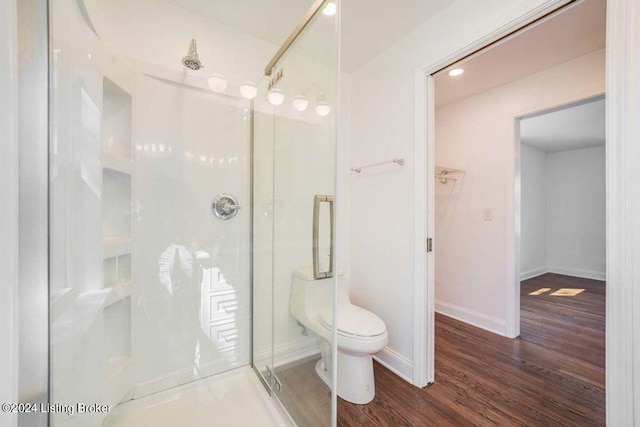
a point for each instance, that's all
(309, 296)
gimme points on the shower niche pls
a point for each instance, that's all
(117, 231)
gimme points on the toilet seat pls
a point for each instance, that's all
(354, 321)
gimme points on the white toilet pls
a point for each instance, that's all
(360, 334)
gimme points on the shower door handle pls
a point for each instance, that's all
(317, 200)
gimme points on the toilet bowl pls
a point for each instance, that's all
(360, 334)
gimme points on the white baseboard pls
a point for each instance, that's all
(396, 363)
(291, 352)
(480, 320)
(585, 274)
(535, 272)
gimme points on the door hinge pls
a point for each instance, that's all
(429, 244)
(277, 384)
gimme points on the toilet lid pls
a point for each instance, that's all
(354, 320)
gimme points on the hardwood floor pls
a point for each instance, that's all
(304, 395)
(553, 375)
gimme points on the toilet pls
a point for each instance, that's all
(360, 334)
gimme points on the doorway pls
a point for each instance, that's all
(477, 103)
(562, 240)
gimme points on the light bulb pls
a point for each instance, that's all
(248, 90)
(300, 103)
(456, 72)
(217, 83)
(322, 108)
(329, 9)
(275, 97)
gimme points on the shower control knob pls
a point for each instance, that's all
(225, 206)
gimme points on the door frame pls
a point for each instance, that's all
(424, 182)
(623, 204)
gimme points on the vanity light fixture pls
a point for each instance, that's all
(329, 9)
(217, 83)
(248, 90)
(300, 103)
(322, 107)
(275, 97)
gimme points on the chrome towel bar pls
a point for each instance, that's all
(399, 162)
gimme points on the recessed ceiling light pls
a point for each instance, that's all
(456, 72)
(329, 9)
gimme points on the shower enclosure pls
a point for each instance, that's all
(181, 202)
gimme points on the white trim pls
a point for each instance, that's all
(573, 272)
(424, 283)
(576, 272)
(423, 347)
(534, 272)
(290, 352)
(513, 212)
(623, 212)
(396, 363)
(474, 318)
(9, 215)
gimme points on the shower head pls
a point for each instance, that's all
(191, 61)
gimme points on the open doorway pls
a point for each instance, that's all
(562, 219)
(481, 103)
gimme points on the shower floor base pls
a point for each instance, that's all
(232, 399)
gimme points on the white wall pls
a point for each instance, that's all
(563, 212)
(577, 212)
(9, 210)
(382, 127)
(484, 147)
(533, 243)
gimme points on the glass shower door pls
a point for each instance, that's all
(295, 135)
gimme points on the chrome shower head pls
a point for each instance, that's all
(191, 61)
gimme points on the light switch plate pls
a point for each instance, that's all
(487, 214)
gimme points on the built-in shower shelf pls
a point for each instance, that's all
(117, 246)
(118, 292)
(117, 163)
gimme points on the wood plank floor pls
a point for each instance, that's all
(553, 375)
(304, 395)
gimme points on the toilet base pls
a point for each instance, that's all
(355, 378)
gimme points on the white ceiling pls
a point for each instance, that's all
(369, 27)
(574, 33)
(578, 126)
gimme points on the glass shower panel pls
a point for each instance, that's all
(264, 209)
(150, 288)
(192, 311)
(304, 171)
